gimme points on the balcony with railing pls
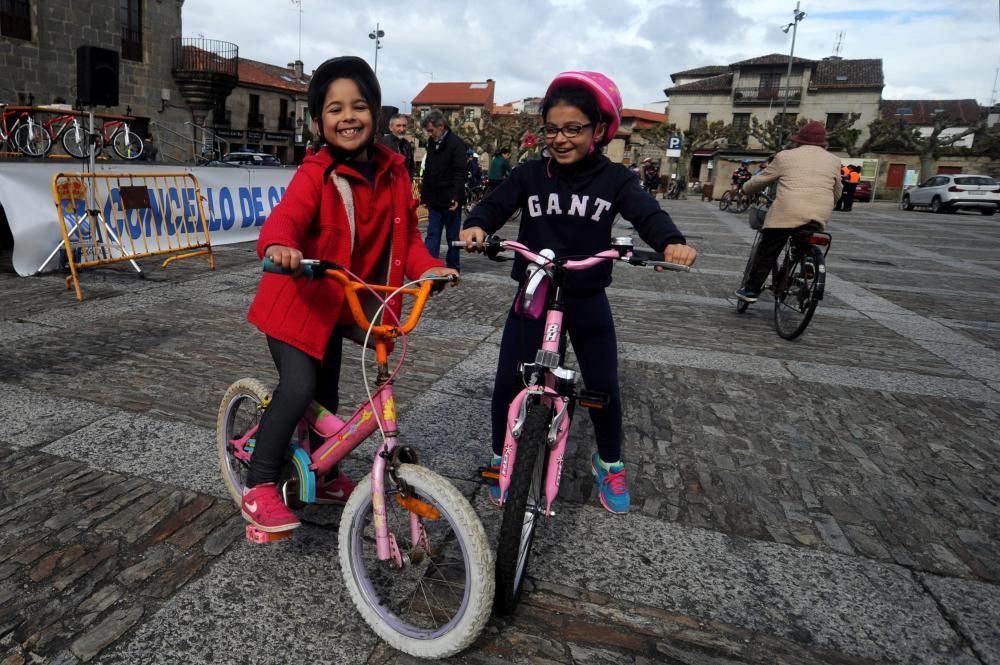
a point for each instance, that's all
(286, 123)
(255, 121)
(767, 95)
(206, 71)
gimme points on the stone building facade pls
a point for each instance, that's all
(826, 90)
(266, 111)
(38, 55)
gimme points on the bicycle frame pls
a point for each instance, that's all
(549, 356)
(341, 437)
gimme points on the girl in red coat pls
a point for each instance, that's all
(350, 203)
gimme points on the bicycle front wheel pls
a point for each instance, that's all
(127, 145)
(33, 140)
(241, 409)
(795, 297)
(741, 305)
(725, 200)
(523, 508)
(438, 601)
(74, 141)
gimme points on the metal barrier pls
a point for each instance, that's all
(109, 218)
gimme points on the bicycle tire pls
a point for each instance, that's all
(795, 294)
(725, 200)
(33, 140)
(74, 142)
(517, 528)
(127, 146)
(241, 408)
(407, 626)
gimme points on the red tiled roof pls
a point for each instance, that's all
(770, 59)
(642, 114)
(271, 76)
(721, 83)
(503, 109)
(926, 111)
(474, 93)
(700, 72)
(841, 74)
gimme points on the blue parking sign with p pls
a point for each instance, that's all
(674, 145)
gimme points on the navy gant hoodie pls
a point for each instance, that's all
(570, 210)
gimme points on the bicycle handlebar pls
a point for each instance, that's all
(493, 245)
(316, 269)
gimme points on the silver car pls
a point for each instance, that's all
(948, 193)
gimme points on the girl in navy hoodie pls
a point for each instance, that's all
(569, 200)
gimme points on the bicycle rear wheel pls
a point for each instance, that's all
(74, 141)
(795, 297)
(241, 409)
(523, 508)
(127, 145)
(725, 200)
(437, 603)
(33, 140)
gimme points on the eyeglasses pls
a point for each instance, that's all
(569, 131)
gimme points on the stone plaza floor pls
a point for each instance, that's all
(835, 499)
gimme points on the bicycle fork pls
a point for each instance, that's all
(558, 434)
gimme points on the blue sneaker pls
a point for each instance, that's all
(494, 488)
(611, 486)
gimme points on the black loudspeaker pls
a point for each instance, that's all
(96, 76)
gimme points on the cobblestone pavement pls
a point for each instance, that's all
(835, 499)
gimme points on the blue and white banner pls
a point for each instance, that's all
(237, 201)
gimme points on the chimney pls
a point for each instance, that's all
(296, 67)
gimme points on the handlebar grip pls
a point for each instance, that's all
(647, 257)
(311, 268)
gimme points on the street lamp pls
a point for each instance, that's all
(377, 35)
(793, 26)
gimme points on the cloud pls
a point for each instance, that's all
(521, 44)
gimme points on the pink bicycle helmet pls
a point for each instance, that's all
(609, 100)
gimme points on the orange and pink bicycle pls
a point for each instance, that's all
(413, 553)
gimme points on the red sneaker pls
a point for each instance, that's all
(263, 507)
(335, 491)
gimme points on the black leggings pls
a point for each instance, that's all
(301, 379)
(768, 249)
(592, 333)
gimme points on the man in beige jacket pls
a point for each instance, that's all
(808, 187)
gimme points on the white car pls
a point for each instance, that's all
(948, 193)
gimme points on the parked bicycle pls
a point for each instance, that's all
(413, 554)
(540, 415)
(68, 129)
(798, 279)
(24, 134)
(119, 135)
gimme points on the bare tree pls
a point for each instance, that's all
(895, 135)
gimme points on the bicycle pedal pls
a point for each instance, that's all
(255, 535)
(592, 399)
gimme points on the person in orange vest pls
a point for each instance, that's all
(850, 180)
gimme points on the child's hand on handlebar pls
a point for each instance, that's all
(284, 257)
(685, 255)
(442, 272)
(473, 238)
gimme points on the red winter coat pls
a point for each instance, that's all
(312, 218)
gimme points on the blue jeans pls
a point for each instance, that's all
(451, 221)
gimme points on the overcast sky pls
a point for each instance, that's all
(931, 49)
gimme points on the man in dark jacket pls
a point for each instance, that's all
(396, 140)
(443, 186)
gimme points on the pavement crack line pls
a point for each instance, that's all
(954, 623)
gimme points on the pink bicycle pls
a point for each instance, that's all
(413, 553)
(539, 417)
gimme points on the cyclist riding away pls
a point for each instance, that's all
(809, 184)
(569, 200)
